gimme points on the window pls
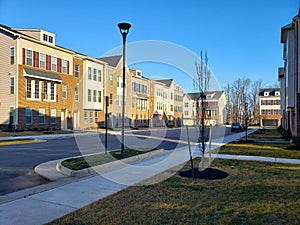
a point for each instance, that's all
(96, 117)
(94, 95)
(91, 117)
(172, 96)
(41, 116)
(111, 79)
(64, 91)
(64, 66)
(99, 76)
(171, 108)
(12, 85)
(12, 55)
(86, 120)
(76, 70)
(28, 57)
(186, 104)
(186, 112)
(119, 81)
(269, 112)
(45, 37)
(277, 93)
(52, 91)
(266, 93)
(89, 95)
(269, 102)
(94, 74)
(42, 61)
(11, 114)
(53, 63)
(50, 39)
(76, 96)
(89, 73)
(110, 98)
(99, 96)
(36, 89)
(28, 88)
(53, 116)
(28, 115)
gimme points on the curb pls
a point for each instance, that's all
(76, 173)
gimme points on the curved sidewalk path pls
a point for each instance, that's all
(47, 205)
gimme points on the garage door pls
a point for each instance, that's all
(270, 123)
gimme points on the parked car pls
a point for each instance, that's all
(236, 127)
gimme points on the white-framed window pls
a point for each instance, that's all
(96, 117)
(186, 105)
(28, 57)
(91, 117)
(77, 70)
(277, 93)
(111, 98)
(53, 116)
(50, 39)
(111, 79)
(11, 114)
(99, 96)
(266, 93)
(94, 74)
(12, 55)
(94, 95)
(76, 96)
(28, 115)
(42, 61)
(64, 65)
(64, 91)
(28, 88)
(86, 119)
(89, 73)
(53, 63)
(36, 89)
(49, 91)
(45, 37)
(89, 95)
(41, 116)
(99, 75)
(11, 85)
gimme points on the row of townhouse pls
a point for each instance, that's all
(288, 76)
(45, 86)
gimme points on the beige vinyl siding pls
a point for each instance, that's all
(6, 71)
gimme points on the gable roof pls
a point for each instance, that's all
(111, 60)
(270, 90)
(215, 94)
(167, 82)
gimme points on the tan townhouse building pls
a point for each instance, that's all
(269, 107)
(113, 83)
(140, 89)
(215, 108)
(38, 87)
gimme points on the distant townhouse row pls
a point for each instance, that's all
(45, 86)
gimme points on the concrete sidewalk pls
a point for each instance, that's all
(64, 197)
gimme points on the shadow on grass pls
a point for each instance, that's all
(207, 174)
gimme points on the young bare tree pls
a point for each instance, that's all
(203, 75)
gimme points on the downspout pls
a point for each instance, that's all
(17, 83)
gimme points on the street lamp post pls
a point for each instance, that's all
(124, 29)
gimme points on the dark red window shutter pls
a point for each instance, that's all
(59, 65)
(68, 65)
(34, 58)
(24, 57)
(37, 59)
(47, 62)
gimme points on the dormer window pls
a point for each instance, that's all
(48, 38)
(45, 37)
(277, 93)
(266, 93)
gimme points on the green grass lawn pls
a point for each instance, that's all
(252, 193)
(266, 134)
(268, 149)
(98, 159)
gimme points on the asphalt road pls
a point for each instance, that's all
(17, 161)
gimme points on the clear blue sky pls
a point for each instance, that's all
(242, 37)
